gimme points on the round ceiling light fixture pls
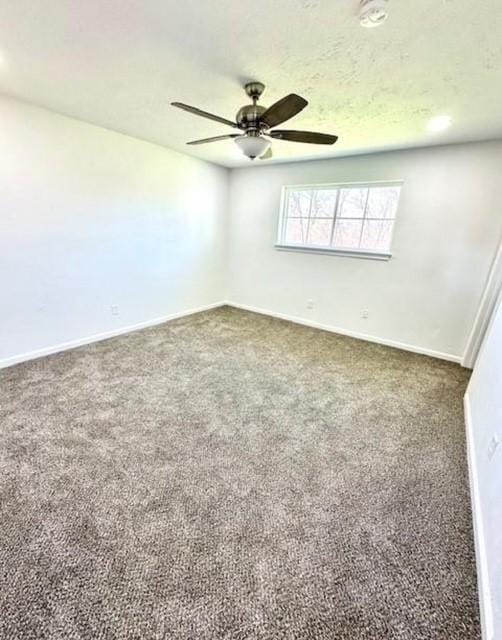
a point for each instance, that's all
(252, 146)
(438, 124)
(373, 13)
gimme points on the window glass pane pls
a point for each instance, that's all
(352, 203)
(377, 235)
(382, 202)
(324, 203)
(296, 231)
(347, 234)
(320, 232)
(299, 204)
(363, 216)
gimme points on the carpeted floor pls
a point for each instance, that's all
(234, 476)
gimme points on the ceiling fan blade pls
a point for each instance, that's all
(215, 139)
(204, 114)
(267, 155)
(283, 110)
(303, 136)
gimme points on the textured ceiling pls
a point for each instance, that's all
(119, 63)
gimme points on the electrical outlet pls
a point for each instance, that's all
(365, 314)
(492, 447)
(310, 303)
(114, 309)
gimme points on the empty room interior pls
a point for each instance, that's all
(251, 320)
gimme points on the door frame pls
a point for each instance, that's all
(491, 293)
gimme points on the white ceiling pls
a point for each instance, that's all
(119, 63)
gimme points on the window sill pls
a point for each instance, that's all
(344, 253)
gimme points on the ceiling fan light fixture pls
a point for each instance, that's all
(373, 13)
(252, 146)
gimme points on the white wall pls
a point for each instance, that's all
(426, 296)
(484, 421)
(90, 218)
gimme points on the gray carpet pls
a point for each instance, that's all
(234, 476)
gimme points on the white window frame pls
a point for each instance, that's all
(349, 253)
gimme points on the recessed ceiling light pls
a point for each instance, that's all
(4, 65)
(439, 123)
(373, 13)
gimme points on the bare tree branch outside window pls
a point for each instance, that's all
(348, 217)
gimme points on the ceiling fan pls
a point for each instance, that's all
(255, 122)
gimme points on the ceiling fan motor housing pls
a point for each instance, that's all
(247, 117)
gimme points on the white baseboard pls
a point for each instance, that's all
(79, 342)
(64, 346)
(485, 605)
(352, 334)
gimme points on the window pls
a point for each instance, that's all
(350, 219)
